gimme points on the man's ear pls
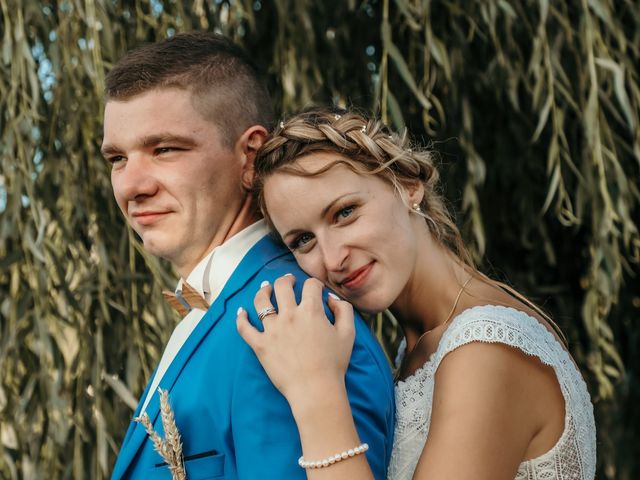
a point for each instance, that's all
(246, 148)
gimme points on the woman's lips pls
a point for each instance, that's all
(358, 277)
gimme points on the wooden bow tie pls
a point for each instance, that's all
(185, 300)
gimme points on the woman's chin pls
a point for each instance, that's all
(371, 300)
(370, 306)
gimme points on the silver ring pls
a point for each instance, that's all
(265, 312)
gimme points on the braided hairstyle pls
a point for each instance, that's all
(366, 146)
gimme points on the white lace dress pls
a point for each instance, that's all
(572, 457)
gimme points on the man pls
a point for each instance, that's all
(183, 121)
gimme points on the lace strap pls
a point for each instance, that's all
(506, 325)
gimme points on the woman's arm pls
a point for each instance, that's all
(490, 403)
(306, 358)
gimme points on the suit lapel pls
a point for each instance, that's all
(260, 254)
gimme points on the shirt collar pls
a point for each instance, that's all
(212, 272)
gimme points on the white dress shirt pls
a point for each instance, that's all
(208, 278)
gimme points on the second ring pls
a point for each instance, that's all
(265, 312)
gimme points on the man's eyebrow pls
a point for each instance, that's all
(108, 149)
(151, 141)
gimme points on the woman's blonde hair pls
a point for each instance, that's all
(366, 146)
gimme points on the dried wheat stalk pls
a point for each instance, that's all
(169, 448)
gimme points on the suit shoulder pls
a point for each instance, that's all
(285, 264)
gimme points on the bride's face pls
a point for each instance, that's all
(349, 230)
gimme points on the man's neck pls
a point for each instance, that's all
(246, 216)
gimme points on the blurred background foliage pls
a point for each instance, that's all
(533, 107)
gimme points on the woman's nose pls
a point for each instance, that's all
(334, 255)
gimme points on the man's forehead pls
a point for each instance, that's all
(157, 113)
(155, 104)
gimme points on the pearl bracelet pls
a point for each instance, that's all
(338, 457)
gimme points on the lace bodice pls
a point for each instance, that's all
(572, 457)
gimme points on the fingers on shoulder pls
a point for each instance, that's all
(312, 292)
(340, 307)
(343, 314)
(263, 295)
(313, 285)
(285, 281)
(247, 331)
(283, 288)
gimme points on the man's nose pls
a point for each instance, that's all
(136, 179)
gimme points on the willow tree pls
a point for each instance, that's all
(533, 107)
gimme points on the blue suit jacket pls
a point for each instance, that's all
(234, 423)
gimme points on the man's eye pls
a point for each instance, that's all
(115, 159)
(300, 241)
(161, 150)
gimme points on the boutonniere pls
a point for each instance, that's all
(169, 447)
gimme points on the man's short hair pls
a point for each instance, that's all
(225, 84)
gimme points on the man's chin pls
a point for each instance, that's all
(157, 248)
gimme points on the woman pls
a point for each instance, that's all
(486, 388)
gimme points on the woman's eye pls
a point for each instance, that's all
(300, 241)
(345, 212)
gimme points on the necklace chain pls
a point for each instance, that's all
(453, 309)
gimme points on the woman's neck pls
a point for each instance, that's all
(434, 286)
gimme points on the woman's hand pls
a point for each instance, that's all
(301, 351)
(306, 358)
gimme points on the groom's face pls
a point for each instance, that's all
(175, 180)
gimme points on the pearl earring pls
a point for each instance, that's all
(416, 208)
